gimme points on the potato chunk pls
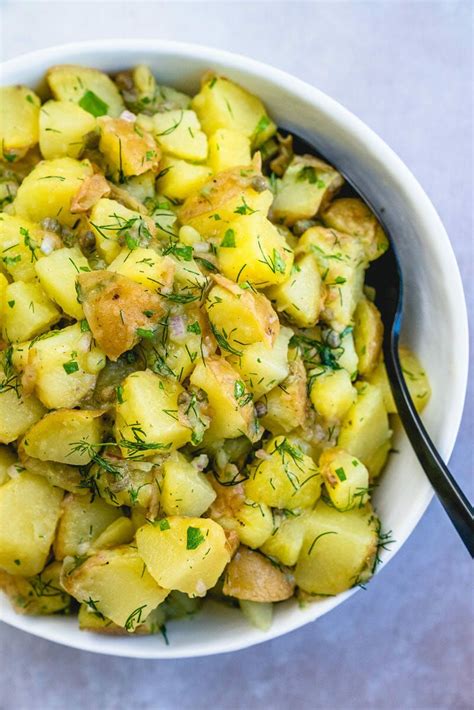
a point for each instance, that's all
(352, 216)
(338, 551)
(368, 335)
(286, 405)
(63, 129)
(184, 491)
(114, 226)
(19, 246)
(178, 179)
(47, 191)
(284, 478)
(301, 296)
(128, 149)
(286, 540)
(148, 418)
(251, 576)
(29, 512)
(18, 121)
(93, 90)
(231, 404)
(119, 311)
(416, 379)
(28, 311)
(228, 148)
(76, 427)
(331, 392)
(38, 595)
(178, 133)
(18, 411)
(115, 584)
(146, 267)
(346, 479)
(188, 554)
(82, 522)
(58, 273)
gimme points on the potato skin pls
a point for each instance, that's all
(252, 577)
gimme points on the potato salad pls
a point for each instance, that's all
(193, 400)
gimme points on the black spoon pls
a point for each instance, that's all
(385, 276)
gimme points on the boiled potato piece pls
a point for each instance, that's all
(142, 93)
(146, 267)
(93, 90)
(65, 364)
(184, 491)
(90, 620)
(120, 532)
(38, 595)
(416, 379)
(368, 335)
(58, 276)
(187, 554)
(19, 246)
(147, 420)
(347, 357)
(114, 225)
(29, 511)
(128, 149)
(286, 540)
(352, 216)
(7, 459)
(63, 129)
(307, 185)
(284, 478)
(28, 311)
(116, 584)
(253, 250)
(259, 614)
(346, 479)
(119, 311)
(239, 318)
(47, 191)
(331, 392)
(58, 474)
(178, 179)
(339, 550)
(379, 378)
(301, 296)
(82, 522)
(18, 411)
(227, 149)
(263, 368)
(251, 576)
(76, 427)
(254, 523)
(286, 406)
(178, 133)
(223, 104)
(18, 121)
(365, 427)
(231, 406)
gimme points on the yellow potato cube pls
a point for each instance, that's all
(18, 121)
(368, 335)
(300, 297)
(63, 127)
(27, 311)
(7, 459)
(179, 179)
(146, 267)
(82, 522)
(17, 411)
(179, 133)
(81, 433)
(286, 405)
(346, 479)
(128, 149)
(184, 491)
(352, 216)
(254, 523)
(114, 225)
(57, 274)
(92, 89)
(331, 392)
(19, 246)
(286, 540)
(227, 149)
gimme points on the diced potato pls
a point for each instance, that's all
(19, 246)
(253, 250)
(254, 523)
(263, 368)
(252, 577)
(286, 478)
(119, 311)
(7, 459)
(416, 379)
(240, 317)
(286, 405)
(231, 406)
(64, 128)
(228, 148)
(347, 353)
(148, 417)
(368, 335)
(341, 261)
(120, 532)
(93, 90)
(187, 554)
(379, 378)
(114, 225)
(184, 491)
(82, 522)
(142, 93)
(286, 540)
(58, 273)
(128, 149)
(259, 614)
(178, 133)
(365, 427)
(352, 216)
(376, 461)
(47, 191)
(307, 185)
(38, 595)
(58, 474)
(116, 584)
(346, 479)
(29, 511)
(179, 179)
(331, 392)
(18, 121)
(141, 187)
(90, 620)
(338, 551)
(126, 481)
(301, 296)
(223, 104)
(65, 364)
(146, 267)
(28, 311)
(76, 426)
(17, 410)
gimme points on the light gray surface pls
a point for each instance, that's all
(406, 69)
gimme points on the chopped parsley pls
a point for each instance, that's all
(93, 104)
(194, 538)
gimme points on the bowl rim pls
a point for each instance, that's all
(285, 81)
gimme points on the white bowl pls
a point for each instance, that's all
(434, 304)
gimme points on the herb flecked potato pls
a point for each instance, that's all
(193, 400)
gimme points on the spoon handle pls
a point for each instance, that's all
(448, 491)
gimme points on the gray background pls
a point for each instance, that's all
(406, 69)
